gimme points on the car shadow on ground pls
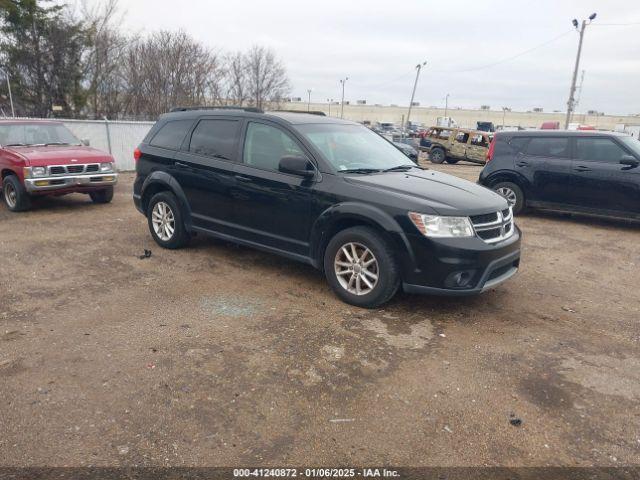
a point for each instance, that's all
(581, 219)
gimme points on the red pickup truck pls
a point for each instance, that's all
(42, 157)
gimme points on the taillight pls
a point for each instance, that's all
(492, 147)
(137, 154)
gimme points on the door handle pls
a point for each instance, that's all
(181, 165)
(582, 168)
(242, 178)
(522, 164)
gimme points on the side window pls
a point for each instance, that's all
(479, 140)
(444, 134)
(265, 145)
(518, 143)
(171, 134)
(549, 147)
(598, 150)
(462, 137)
(215, 138)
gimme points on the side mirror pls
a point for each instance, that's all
(85, 142)
(296, 165)
(629, 160)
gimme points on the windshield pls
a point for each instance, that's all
(632, 144)
(27, 134)
(353, 147)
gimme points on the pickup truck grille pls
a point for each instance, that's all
(494, 227)
(74, 169)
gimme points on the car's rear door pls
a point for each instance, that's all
(205, 169)
(600, 181)
(478, 146)
(459, 146)
(546, 162)
(272, 208)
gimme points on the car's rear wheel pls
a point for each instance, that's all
(452, 161)
(360, 267)
(165, 221)
(102, 196)
(437, 155)
(15, 195)
(512, 194)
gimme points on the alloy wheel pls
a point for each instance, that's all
(508, 194)
(356, 268)
(163, 221)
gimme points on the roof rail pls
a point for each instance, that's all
(312, 112)
(226, 107)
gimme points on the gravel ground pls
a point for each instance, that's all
(219, 355)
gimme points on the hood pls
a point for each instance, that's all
(60, 155)
(446, 194)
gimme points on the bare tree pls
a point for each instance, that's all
(267, 80)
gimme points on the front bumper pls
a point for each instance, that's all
(70, 182)
(439, 265)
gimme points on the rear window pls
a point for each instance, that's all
(215, 138)
(171, 134)
(549, 147)
(518, 143)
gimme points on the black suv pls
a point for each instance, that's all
(327, 192)
(573, 171)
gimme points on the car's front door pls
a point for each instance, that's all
(205, 169)
(546, 163)
(272, 208)
(601, 181)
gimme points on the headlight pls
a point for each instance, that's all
(38, 171)
(106, 167)
(440, 227)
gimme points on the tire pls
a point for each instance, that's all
(384, 266)
(437, 155)
(14, 194)
(102, 196)
(166, 202)
(512, 193)
(452, 161)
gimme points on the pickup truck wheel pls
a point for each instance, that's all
(102, 196)
(452, 161)
(437, 155)
(512, 194)
(360, 267)
(15, 195)
(166, 222)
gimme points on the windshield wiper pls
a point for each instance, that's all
(360, 170)
(57, 143)
(16, 145)
(400, 168)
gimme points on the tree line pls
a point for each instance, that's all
(76, 62)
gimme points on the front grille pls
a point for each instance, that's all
(494, 227)
(74, 169)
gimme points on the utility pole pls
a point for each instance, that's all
(342, 82)
(6, 74)
(504, 112)
(309, 100)
(413, 93)
(572, 90)
(446, 107)
(329, 101)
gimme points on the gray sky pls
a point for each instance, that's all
(378, 43)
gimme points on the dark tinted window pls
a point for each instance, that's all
(549, 147)
(266, 145)
(598, 150)
(171, 134)
(518, 143)
(215, 138)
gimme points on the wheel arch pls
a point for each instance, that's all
(163, 182)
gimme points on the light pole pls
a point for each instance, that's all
(6, 74)
(504, 112)
(342, 82)
(413, 93)
(329, 101)
(446, 107)
(572, 90)
(309, 100)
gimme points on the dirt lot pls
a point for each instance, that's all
(220, 355)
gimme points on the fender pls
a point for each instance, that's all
(509, 176)
(363, 213)
(171, 184)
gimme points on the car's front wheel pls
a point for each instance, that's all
(14, 194)
(165, 221)
(512, 194)
(360, 267)
(437, 155)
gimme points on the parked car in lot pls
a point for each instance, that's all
(572, 171)
(455, 144)
(327, 192)
(408, 150)
(42, 157)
